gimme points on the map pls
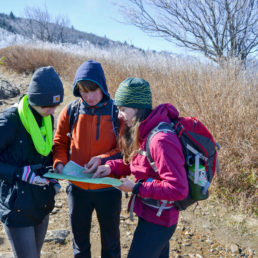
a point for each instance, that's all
(73, 171)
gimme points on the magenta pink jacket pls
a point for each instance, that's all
(170, 183)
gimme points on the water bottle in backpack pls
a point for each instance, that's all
(197, 184)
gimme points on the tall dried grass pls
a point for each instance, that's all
(223, 98)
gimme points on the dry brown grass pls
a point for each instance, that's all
(224, 99)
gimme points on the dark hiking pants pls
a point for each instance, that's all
(151, 240)
(107, 203)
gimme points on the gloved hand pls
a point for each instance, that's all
(27, 175)
(40, 171)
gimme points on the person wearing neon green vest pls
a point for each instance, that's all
(26, 134)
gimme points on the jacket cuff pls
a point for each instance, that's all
(136, 187)
(113, 157)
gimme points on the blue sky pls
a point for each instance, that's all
(93, 16)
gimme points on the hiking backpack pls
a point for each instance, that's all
(199, 149)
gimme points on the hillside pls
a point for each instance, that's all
(53, 32)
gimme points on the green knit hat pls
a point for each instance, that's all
(134, 93)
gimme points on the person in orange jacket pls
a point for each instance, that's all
(87, 134)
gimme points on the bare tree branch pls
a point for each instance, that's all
(41, 25)
(220, 29)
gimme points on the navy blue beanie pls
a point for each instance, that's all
(46, 88)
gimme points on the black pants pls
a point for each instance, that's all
(107, 204)
(151, 240)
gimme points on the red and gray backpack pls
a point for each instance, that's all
(200, 154)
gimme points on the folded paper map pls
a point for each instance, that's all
(73, 171)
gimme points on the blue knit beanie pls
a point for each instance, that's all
(134, 92)
(46, 88)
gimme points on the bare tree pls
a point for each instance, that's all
(60, 29)
(41, 25)
(220, 29)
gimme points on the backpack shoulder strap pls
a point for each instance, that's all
(115, 120)
(161, 127)
(73, 112)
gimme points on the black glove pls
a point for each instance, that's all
(55, 182)
(41, 170)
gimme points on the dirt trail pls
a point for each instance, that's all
(211, 231)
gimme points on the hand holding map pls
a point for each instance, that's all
(73, 171)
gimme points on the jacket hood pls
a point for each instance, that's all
(162, 113)
(91, 71)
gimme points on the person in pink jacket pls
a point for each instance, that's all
(153, 193)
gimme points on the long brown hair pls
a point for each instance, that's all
(129, 136)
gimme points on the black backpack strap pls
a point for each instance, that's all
(115, 120)
(73, 112)
(161, 127)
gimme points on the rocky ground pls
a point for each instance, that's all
(213, 230)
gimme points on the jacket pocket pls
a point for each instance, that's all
(45, 198)
(34, 202)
